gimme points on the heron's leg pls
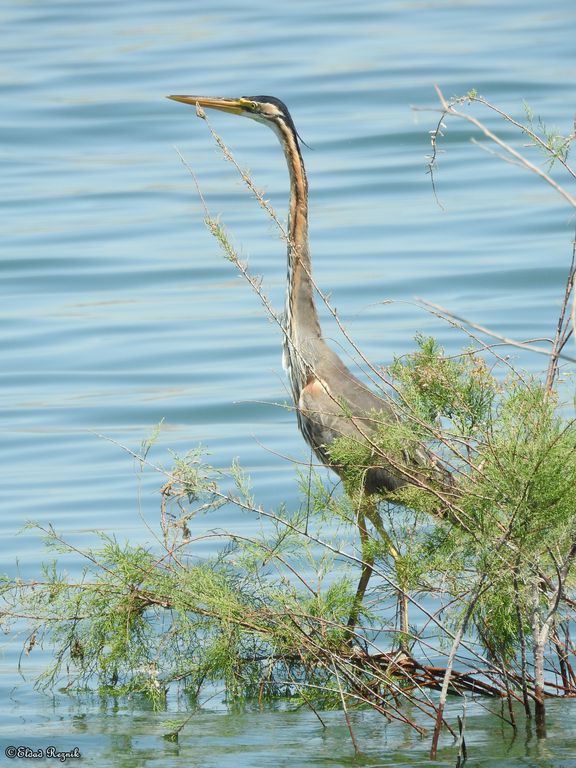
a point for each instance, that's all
(367, 509)
(374, 516)
(367, 562)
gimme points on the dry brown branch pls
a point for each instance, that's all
(529, 347)
(448, 108)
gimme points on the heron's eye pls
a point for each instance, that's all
(250, 105)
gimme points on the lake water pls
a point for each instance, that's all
(119, 311)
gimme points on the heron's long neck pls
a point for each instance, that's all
(301, 317)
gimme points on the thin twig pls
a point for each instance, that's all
(503, 339)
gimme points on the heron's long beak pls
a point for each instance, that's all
(226, 105)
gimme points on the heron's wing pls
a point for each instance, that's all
(343, 387)
(325, 415)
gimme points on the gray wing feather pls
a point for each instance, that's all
(344, 407)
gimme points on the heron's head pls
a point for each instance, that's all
(264, 109)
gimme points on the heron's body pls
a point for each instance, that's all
(330, 401)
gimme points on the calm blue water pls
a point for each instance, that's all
(118, 310)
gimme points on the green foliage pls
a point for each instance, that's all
(354, 457)
(460, 390)
(320, 502)
(526, 471)
(219, 232)
(413, 497)
(496, 618)
(138, 621)
(193, 476)
(550, 141)
(148, 442)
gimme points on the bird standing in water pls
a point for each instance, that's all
(330, 401)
